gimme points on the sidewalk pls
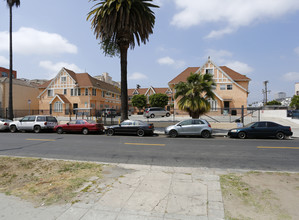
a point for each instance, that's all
(146, 192)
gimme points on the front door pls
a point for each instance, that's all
(226, 107)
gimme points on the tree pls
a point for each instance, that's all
(274, 102)
(118, 23)
(194, 94)
(10, 4)
(158, 100)
(295, 102)
(139, 101)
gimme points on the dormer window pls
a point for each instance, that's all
(63, 79)
(209, 71)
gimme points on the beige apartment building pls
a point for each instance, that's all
(24, 97)
(77, 93)
(231, 91)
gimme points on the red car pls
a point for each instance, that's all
(80, 125)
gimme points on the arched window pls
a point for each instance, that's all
(58, 106)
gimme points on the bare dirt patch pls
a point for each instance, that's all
(260, 195)
(46, 182)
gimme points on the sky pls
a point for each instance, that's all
(258, 38)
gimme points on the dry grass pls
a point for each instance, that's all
(45, 182)
(259, 195)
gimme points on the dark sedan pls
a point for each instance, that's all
(262, 129)
(80, 126)
(131, 127)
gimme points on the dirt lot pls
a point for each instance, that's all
(46, 182)
(261, 195)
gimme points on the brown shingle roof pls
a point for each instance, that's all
(182, 77)
(85, 80)
(234, 75)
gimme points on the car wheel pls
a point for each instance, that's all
(173, 133)
(167, 114)
(242, 135)
(59, 130)
(37, 128)
(13, 128)
(110, 132)
(85, 131)
(152, 116)
(205, 134)
(140, 132)
(280, 135)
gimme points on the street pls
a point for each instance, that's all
(220, 152)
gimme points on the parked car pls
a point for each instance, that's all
(131, 127)
(108, 112)
(80, 126)
(155, 111)
(4, 124)
(262, 129)
(35, 123)
(190, 127)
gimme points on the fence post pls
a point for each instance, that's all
(242, 115)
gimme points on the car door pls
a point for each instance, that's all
(70, 126)
(124, 127)
(272, 129)
(260, 129)
(197, 126)
(186, 127)
(24, 123)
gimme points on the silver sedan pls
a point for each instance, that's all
(4, 124)
(190, 127)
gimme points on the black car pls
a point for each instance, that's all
(131, 127)
(262, 129)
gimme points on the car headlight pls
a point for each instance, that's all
(234, 130)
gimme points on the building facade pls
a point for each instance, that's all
(297, 88)
(77, 93)
(5, 73)
(24, 97)
(231, 91)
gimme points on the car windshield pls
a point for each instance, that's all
(249, 125)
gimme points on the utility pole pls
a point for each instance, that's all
(265, 92)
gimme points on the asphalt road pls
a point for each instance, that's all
(224, 153)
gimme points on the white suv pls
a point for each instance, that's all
(155, 111)
(34, 123)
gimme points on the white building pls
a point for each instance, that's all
(108, 79)
(297, 88)
(280, 96)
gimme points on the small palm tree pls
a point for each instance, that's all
(10, 4)
(118, 23)
(194, 94)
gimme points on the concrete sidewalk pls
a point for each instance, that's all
(146, 192)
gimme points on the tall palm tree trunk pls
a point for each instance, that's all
(124, 83)
(10, 105)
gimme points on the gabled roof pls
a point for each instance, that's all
(62, 98)
(85, 80)
(143, 91)
(182, 77)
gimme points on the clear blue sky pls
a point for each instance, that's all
(259, 38)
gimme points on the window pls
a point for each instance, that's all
(261, 124)
(79, 92)
(222, 87)
(31, 118)
(85, 104)
(229, 87)
(213, 104)
(103, 94)
(94, 92)
(86, 91)
(58, 106)
(64, 91)
(75, 92)
(63, 79)
(41, 118)
(50, 92)
(113, 95)
(197, 122)
(72, 92)
(187, 122)
(4, 74)
(209, 71)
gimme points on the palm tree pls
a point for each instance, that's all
(10, 4)
(118, 23)
(194, 94)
